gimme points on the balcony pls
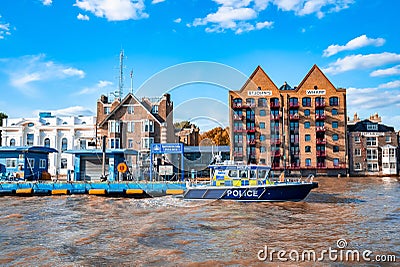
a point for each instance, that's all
(237, 117)
(294, 154)
(321, 141)
(320, 104)
(237, 106)
(320, 129)
(294, 117)
(321, 166)
(294, 105)
(275, 117)
(251, 142)
(250, 105)
(237, 130)
(274, 105)
(294, 167)
(238, 154)
(276, 153)
(321, 154)
(275, 141)
(251, 130)
(320, 116)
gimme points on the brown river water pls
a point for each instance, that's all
(83, 230)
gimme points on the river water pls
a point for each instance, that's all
(83, 230)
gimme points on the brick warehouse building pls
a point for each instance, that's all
(299, 129)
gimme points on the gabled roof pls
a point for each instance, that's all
(313, 69)
(130, 95)
(256, 71)
(361, 126)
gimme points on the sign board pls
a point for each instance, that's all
(169, 148)
(372, 134)
(259, 93)
(165, 170)
(316, 92)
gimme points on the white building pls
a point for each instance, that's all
(389, 160)
(61, 133)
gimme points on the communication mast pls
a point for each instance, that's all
(121, 75)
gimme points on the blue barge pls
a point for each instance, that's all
(122, 189)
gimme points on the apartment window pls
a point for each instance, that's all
(335, 148)
(146, 142)
(64, 144)
(334, 111)
(251, 102)
(320, 123)
(262, 149)
(307, 124)
(336, 162)
(357, 166)
(306, 112)
(262, 137)
(29, 139)
(31, 163)
(319, 101)
(131, 109)
(293, 101)
(12, 142)
(262, 102)
(263, 112)
(130, 143)
(371, 141)
(82, 144)
(357, 139)
(238, 138)
(107, 110)
(334, 101)
(250, 115)
(237, 102)
(391, 152)
(11, 163)
(42, 164)
(392, 165)
(114, 126)
(335, 124)
(307, 137)
(308, 162)
(308, 148)
(306, 101)
(385, 153)
(372, 154)
(372, 167)
(335, 137)
(154, 109)
(147, 126)
(262, 125)
(64, 163)
(388, 139)
(47, 142)
(357, 152)
(113, 143)
(130, 126)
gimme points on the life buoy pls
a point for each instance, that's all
(122, 167)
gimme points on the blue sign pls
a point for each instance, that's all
(169, 148)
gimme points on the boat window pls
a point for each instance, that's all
(261, 174)
(232, 173)
(243, 174)
(253, 174)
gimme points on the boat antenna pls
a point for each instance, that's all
(121, 74)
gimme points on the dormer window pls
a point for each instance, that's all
(31, 124)
(154, 110)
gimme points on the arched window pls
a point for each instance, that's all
(306, 101)
(64, 144)
(237, 102)
(334, 101)
(12, 142)
(293, 102)
(262, 102)
(47, 142)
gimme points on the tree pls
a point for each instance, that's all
(218, 136)
(183, 124)
(2, 116)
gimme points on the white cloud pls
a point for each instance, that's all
(386, 72)
(82, 17)
(353, 62)
(178, 20)
(358, 42)
(98, 88)
(392, 84)
(157, 1)
(47, 2)
(371, 98)
(25, 70)
(115, 10)
(265, 24)
(4, 29)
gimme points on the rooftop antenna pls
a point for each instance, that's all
(131, 81)
(121, 74)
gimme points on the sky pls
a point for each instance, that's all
(62, 55)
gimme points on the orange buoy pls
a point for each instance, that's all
(122, 167)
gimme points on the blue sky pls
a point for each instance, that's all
(61, 55)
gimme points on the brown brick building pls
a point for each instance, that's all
(300, 129)
(135, 124)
